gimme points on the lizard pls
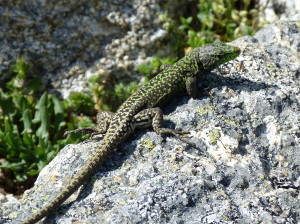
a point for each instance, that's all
(140, 110)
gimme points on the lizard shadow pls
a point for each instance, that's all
(213, 80)
(236, 83)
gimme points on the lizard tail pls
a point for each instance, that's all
(85, 173)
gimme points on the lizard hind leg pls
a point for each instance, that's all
(103, 122)
(154, 117)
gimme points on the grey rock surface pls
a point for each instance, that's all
(68, 42)
(243, 169)
(274, 10)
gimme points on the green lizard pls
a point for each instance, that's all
(139, 111)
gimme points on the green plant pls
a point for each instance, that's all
(78, 102)
(31, 131)
(108, 96)
(154, 66)
(219, 20)
(25, 140)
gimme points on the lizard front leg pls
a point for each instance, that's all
(103, 122)
(191, 86)
(191, 82)
(154, 117)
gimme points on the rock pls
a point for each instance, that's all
(68, 42)
(274, 10)
(244, 167)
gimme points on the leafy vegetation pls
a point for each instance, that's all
(154, 66)
(108, 97)
(215, 20)
(223, 20)
(80, 103)
(31, 129)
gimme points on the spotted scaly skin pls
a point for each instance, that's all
(138, 111)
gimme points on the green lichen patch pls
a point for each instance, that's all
(214, 135)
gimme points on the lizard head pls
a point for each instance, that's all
(212, 55)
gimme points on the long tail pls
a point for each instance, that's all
(86, 172)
